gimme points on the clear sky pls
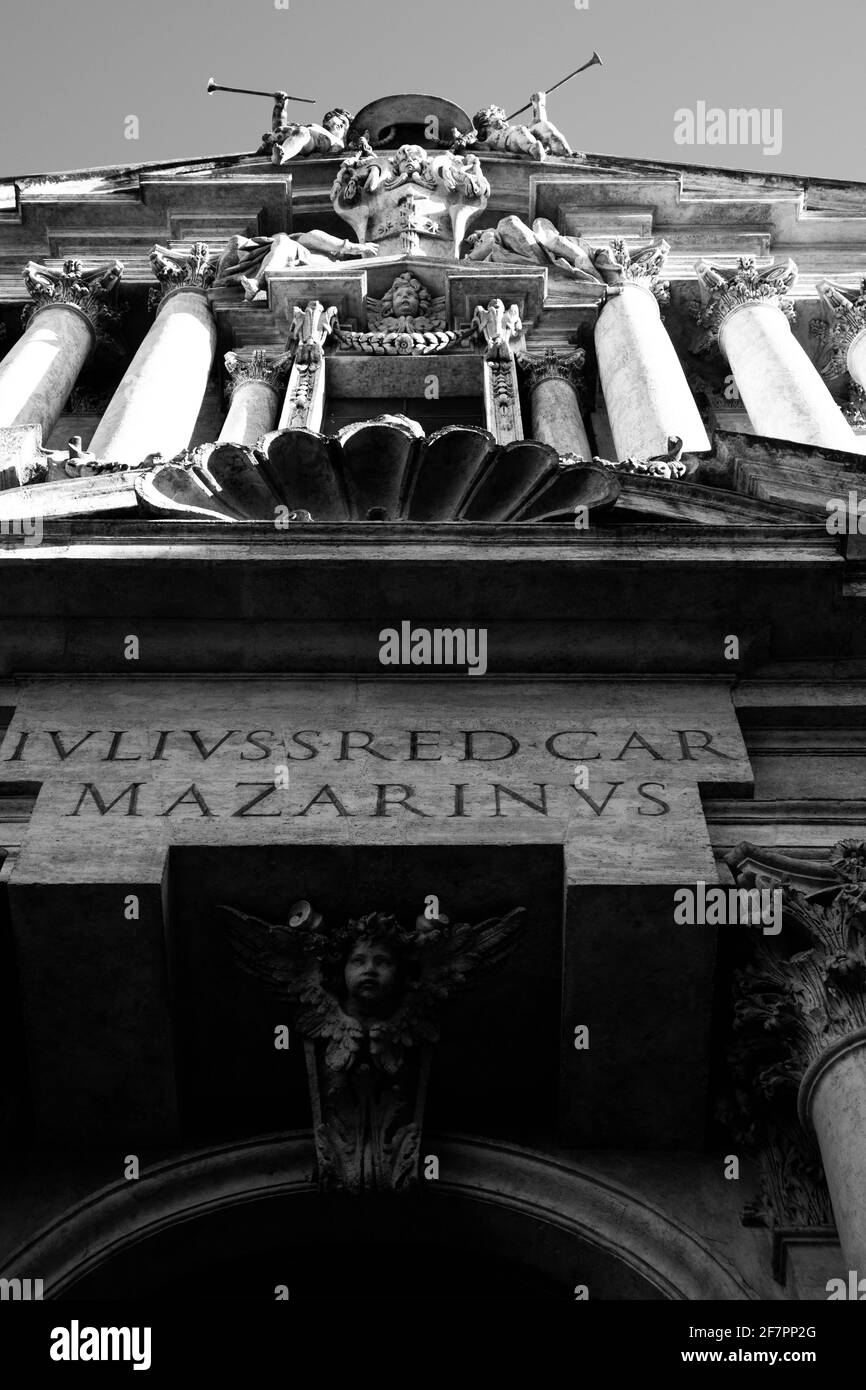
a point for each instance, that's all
(72, 74)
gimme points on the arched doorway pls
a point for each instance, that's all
(501, 1223)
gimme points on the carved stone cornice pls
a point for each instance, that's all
(621, 267)
(553, 366)
(260, 366)
(182, 270)
(845, 321)
(74, 287)
(724, 290)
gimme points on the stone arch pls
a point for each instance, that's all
(567, 1224)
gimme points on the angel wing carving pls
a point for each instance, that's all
(440, 960)
(368, 1070)
(288, 958)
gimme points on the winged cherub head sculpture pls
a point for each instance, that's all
(367, 996)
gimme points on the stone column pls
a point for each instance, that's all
(156, 405)
(38, 373)
(748, 312)
(256, 386)
(645, 390)
(556, 418)
(304, 404)
(832, 1102)
(804, 1013)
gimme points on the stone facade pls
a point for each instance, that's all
(433, 617)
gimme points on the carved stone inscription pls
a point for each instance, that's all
(613, 769)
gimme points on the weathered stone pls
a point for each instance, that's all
(155, 407)
(747, 310)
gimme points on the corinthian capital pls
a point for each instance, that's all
(259, 366)
(84, 290)
(723, 290)
(845, 320)
(183, 270)
(554, 366)
(792, 1009)
(643, 266)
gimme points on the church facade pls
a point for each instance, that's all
(431, 795)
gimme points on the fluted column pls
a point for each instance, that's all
(645, 390)
(805, 1015)
(38, 373)
(747, 311)
(156, 405)
(556, 419)
(256, 385)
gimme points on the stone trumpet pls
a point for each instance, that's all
(591, 63)
(213, 86)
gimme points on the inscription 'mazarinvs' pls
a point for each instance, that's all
(540, 780)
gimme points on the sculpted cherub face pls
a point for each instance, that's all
(337, 122)
(405, 300)
(490, 118)
(371, 977)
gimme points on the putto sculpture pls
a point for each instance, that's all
(367, 997)
(287, 139)
(542, 138)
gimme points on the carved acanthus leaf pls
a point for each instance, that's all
(724, 290)
(642, 266)
(193, 269)
(85, 290)
(554, 366)
(845, 320)
(260, 365)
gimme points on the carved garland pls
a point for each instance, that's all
(402, 344)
